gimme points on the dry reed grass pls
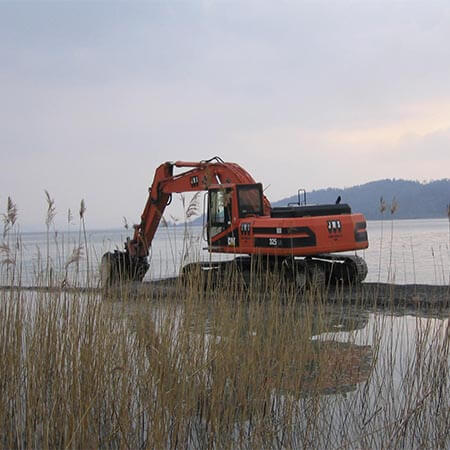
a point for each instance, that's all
(225, 367)
(220, 368)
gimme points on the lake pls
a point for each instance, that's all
(400, 251)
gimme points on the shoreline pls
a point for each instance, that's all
(410, 297)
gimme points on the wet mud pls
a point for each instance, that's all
(425, 298)
(388, 295)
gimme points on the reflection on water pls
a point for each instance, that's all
(334, 367)
(366, 374)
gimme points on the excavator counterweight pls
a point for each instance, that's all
(241, 221)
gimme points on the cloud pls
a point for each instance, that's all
(96, 95)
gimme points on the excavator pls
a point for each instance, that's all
(303, 240)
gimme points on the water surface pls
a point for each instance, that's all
(401, 251)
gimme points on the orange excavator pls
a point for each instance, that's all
(240, 220)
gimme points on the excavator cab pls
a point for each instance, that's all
(226, 202)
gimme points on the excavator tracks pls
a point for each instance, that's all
(305, 273)
(349, 269)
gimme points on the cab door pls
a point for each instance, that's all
(219, 211)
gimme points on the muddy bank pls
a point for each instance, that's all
(399, 298)
(383, 295)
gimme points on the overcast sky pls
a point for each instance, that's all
(95, 95)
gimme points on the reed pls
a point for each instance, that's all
(382, 209)
(217, 368)
(10, 245)
(393, 208)
(241, 364)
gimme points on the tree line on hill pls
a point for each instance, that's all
(415, 200)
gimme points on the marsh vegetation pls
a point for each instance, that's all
(255, 366)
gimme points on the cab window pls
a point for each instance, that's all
(250, 200)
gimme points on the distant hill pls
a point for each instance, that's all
(415, 200)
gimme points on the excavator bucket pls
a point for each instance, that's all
(119, 267)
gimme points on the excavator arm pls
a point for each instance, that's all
(199, 176)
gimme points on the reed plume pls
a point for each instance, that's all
(82, 209)
(51, 209)
(193, 207)
(382, 206)
(10, 217)
(394, 205)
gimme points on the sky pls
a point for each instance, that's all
(303, 94)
